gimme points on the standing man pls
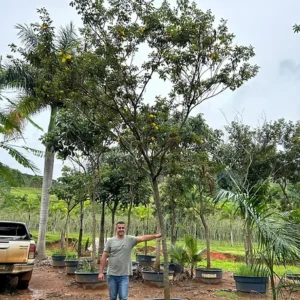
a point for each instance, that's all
(118, 251)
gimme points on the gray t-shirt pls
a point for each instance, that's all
(119, 250)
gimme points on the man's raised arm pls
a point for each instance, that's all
(148, 237)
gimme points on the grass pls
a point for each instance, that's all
(53, 238)
(226, 295)
(230, 266)
(30, 192)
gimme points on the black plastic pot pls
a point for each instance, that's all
(87, 277)
(58, 260)
(211, 276)
(176, 268)
(249, 284)
(134, 266)
(71, 266)
(145, 260)
(295, 277)
(155, 276)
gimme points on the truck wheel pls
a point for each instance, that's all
(24, 280)
(23, 284)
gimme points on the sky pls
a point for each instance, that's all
(266, 25)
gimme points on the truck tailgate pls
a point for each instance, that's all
(14, 251)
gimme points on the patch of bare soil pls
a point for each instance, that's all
(51, 283)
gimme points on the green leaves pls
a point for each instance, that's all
(184, 47)
(296, 28)
(186, 254)
(179, 254)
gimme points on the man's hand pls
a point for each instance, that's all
(158, 235)
(101, 276)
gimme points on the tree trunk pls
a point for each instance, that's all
(130, 207)
(62, 240)
(93, 202)
(47, 182)
(101, 237)
(113, 217)
(173, 223)
(67, 231)
(285, 204)
(80, 229)
(231, 234)
(146, 231)
(206, 231)
(248, 242)
(160, 218)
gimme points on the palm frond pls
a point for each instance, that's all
(15, 120)
(190, 244)
(30, 106)
(280, 238)
(36, 152)
(66, 37)
(6, 125)
(179, 255)
(18, 74)
(27, 36)
(19, 157)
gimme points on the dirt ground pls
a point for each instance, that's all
(51, 283)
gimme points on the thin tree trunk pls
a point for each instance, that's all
(206, 231)
(113, 217)
(80, 229)
(231, 234)
(67, 231)
(248, 242)
(156, 197)
(147, 229)
(130, 207)
(101, 238)
(286, 201)
(47, 182)
(173, 223)
(93, 202)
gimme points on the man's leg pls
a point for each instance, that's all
(112, 286)
(123, 287)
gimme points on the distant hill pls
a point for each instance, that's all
(26, 180)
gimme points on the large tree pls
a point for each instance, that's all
(43, 55)
(131, 43)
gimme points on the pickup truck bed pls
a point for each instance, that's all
(17, 252)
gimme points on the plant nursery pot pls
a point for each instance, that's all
(58, 260)
(248, 284)
(155, 276)
(211, 276)
(71, 266)
(134, 266)
(295, 277)
(145, 260)
(176, 268)
(87, 277)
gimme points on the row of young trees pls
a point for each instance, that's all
(99, 86)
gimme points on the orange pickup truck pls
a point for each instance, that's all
(17, 252)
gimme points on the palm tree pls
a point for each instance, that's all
(278, 234)
(44, 56)
(10, 133)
